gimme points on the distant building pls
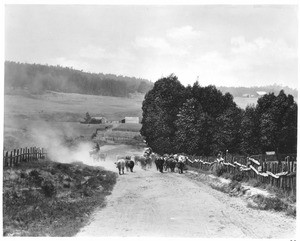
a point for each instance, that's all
(246, 95)
(98, 120)
(130, 120)
(261, 93)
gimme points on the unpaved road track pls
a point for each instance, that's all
(148, 203)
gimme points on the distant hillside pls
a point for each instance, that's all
(252, 91)
(38, 78)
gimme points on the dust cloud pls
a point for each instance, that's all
(62, 144)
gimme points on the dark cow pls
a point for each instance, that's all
(180, 166)
(159, 162)
(181, 160)
(129, 165)
(172, 164)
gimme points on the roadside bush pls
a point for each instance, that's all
(227, 175)
(291, 211)
(23, 175)
(267, 203)
(235, 185)
(274, 203)
(220, 169)
(48, 188)
(238, 177)
(36, 177)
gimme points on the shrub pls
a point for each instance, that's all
(36, 177)
(274, 203)
(226, 175)
(23, 175)
(48, 188)
(220, 170)
(238, 177)
(235, 185)
(291, 211)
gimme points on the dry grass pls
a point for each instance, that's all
(60, 111)
(52, 199)
(128, 127)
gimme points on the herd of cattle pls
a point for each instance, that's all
(162, 163)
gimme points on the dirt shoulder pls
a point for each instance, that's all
(148, 203)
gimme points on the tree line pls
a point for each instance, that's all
(241, 91)
(38, 78)
(200, 120)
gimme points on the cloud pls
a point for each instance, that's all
(246, 63)
(158, 44)
(177, 41)
(262, 50)
(93, 52)
(70, 62)
(151, 42)
(185, 33)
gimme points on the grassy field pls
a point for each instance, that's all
(134, 127)
(59, 112)
(243, 102)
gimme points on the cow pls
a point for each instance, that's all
(159, 162)
(172, 164)
(129, 165)
(120, 164)
(181, 163)
(142, 160)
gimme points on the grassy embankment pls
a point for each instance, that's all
(44, 198)
(259, 195)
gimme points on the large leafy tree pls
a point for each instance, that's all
(160, 109)
(189, 127)
(278, 122)
(250, 131)
(228, 130)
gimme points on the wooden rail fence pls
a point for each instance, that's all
(13, 158)
(278, 172)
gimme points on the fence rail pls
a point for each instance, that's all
(280, 172)
(13, 158)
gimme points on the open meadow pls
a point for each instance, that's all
(27, 115)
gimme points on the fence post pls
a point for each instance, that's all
(11, 159)
(14, 157)
(23, 154)
(17, 157)
(6, 159)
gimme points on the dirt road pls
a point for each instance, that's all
(148, 203)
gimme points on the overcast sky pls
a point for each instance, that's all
(224, 45)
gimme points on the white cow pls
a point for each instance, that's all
(120, 164)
